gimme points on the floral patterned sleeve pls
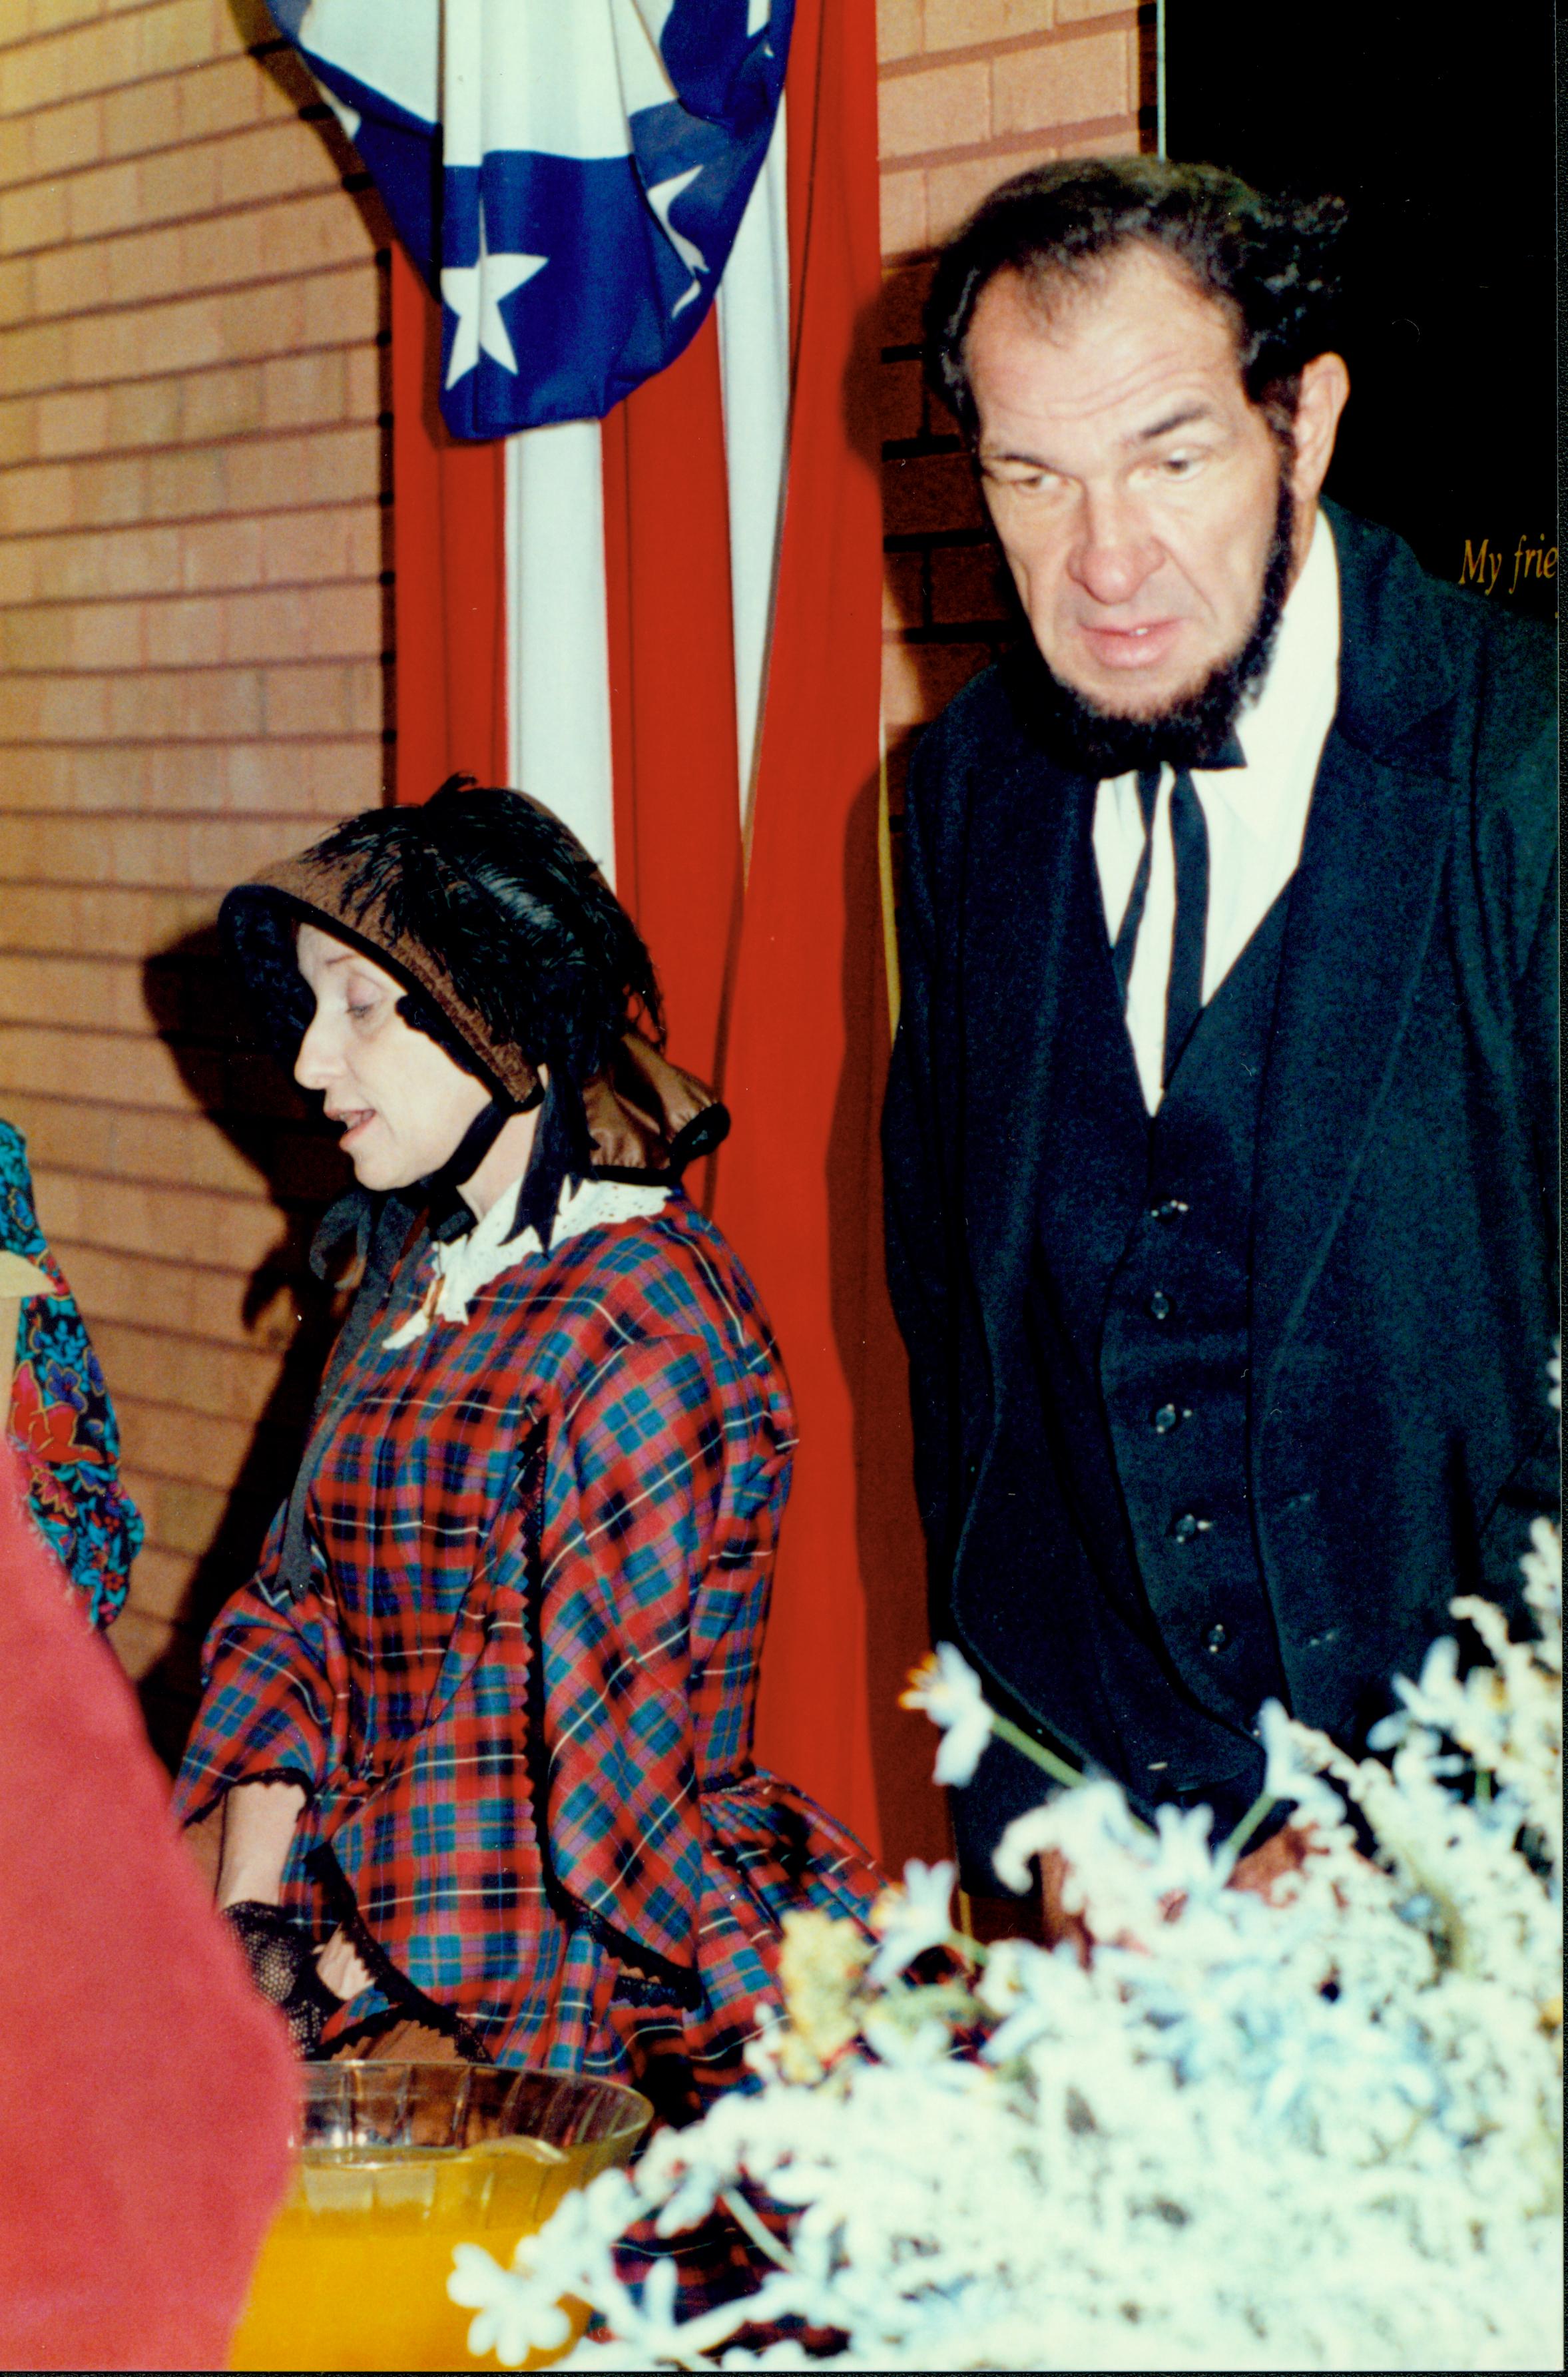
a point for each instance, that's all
(61, 1419)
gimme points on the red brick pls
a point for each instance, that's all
(35, 498)
(187, 485)
(898, 29)
(220, 553)
(303, 545)
(924, 492)
(270, 161)
(221, 96)
(904, 591)
(34, 216)
(19, 432)
(137, 116)
(159, 1593)
(967, 582)
(220, 404)
(139, 1643)
(953, 24)
(182, 33)
(187, 634)
(900, 400)
(145, 412)
(73, 422)
(178, 182)
(954, 191)
(35, 639)
(67, 136)
(905, 290)
(329, 699)
(336, 308)
(307, 390)
(919, 680)
(941, 107)
(33, 354)
(1066, 82)
(71, 280)
(105, 201)
(903, 200)
(106, 636)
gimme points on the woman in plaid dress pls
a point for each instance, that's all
(476, 1737)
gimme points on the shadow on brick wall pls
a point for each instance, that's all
(245, 1093)
(948, 604)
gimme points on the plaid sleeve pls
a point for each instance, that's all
(632, 1499)
(273, 1682)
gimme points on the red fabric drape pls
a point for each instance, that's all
(799, 1183)
(145, 2093)
(776, 991)
(672, 686)
(448, 562)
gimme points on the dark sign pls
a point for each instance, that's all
(1438, 128)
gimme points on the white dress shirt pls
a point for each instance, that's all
(1256, 816)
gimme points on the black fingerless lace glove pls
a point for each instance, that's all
(283, 1966)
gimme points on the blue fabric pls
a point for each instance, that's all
(61, 1419)
(599, 268)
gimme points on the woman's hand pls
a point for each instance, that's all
(339, 1967)
(259, 1825)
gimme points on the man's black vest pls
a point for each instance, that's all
(1140, 1323)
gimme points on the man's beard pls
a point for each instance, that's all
(1194, 730)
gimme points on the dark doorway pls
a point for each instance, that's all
(1439, 131)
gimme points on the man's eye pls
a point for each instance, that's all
(361, 1012)
(1023, 482)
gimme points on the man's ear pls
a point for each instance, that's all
(1324, 386)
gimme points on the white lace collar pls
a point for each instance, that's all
(469, 1263)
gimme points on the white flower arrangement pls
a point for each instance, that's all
(1317, 2132)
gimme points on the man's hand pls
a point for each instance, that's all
(1260, 1871)
(1284, 1852)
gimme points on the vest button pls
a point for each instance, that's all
(1169, 1209)
(1168, 1415)
(1160, 1305)
(1188, 1525)
(1217, 1637)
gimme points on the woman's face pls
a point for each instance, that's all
(404, 1103)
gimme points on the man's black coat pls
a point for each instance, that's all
(1403, 1226)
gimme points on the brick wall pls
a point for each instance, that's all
(970, 91)
(191, 630)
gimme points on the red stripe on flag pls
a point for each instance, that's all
(799, 1184)
(672, 685)
(448, 527)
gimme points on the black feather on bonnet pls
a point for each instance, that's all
(516, 953)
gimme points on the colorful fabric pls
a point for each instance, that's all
(520, 1691)
(62, 1422)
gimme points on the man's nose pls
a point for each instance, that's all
(1114, 551)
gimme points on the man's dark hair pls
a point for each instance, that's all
(1270, 264)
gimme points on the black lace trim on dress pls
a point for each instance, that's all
(324, 1869)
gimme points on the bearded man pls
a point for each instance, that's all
(1220, 1132)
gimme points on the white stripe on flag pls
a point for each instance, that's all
(754, 368)
(557, 635)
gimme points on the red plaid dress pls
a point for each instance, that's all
(520, 1691)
